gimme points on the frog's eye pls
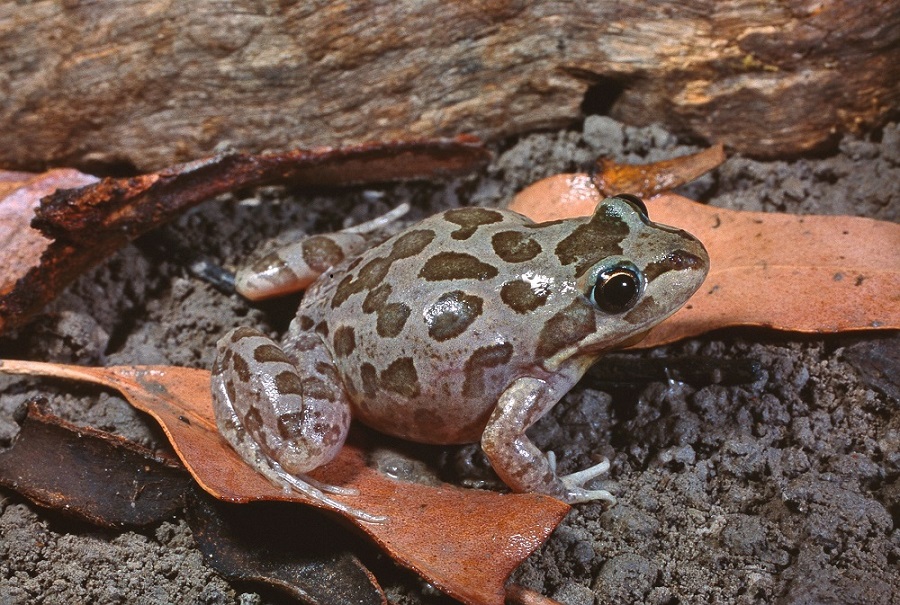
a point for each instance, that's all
(635, 201)
(616, 289)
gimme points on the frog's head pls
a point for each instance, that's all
(630, 274)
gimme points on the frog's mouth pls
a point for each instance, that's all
(634, 339)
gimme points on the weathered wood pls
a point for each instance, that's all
(151, 83)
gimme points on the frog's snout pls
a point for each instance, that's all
(682, 259)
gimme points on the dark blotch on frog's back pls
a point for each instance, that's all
(677, 260)
(480, 361)
(321, 253)
(344, 341)
(372, 274)
(445, 266)
(411, 243)
(253, 423)
(289, 383)
(376, 298)
(322, 328)
(469, 219)
(290, 426)
(391, 319)
(369, 376)
(593, 241)
(315, 388)
(519, 296)
(241, 367)
(515, 246)
(452, 314)
(566, 328)
(242, 333)
(328, 371)
(401, 377)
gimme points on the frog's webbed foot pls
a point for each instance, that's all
(574, 482)
(316, 490)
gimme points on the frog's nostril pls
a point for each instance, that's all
(682, 259)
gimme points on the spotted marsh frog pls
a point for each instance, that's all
(468, 326)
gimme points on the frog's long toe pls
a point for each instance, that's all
(316, 491)
(576, 493)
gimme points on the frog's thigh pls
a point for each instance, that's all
(294, 267)
(517, 461)
(278, 413)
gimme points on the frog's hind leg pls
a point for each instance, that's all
(296, 266)
(285, 416)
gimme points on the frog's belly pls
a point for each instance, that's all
(433, 408)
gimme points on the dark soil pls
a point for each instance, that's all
(786, 490)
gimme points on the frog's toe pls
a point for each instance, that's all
(576, 495)
(574, 482)
(316, 490)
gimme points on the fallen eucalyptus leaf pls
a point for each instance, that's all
(112, 482)
(465, 542)
(95, 476)
(818, 274)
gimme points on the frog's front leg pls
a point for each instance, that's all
(518, 462)
(284, 415)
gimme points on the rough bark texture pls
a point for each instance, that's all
(151, 83)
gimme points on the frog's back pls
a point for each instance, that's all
(426, 328)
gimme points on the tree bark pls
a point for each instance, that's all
(146, 84)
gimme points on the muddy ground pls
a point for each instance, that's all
(786, 490)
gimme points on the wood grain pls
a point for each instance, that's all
(147, 84)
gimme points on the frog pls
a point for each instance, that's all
(466, 327)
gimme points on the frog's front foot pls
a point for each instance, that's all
(518, 462)
(574, 483)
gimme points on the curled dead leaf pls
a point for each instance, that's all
(299, 551)
(647, 180)
(78, 228)
(101, 478)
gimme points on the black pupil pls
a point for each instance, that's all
(617, 291)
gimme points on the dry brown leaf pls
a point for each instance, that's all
(109, 481)
(465, 542)
(21, 246)
(814, 274)
(101, 478)
(79, 228)
(295, 549)
(647, 180)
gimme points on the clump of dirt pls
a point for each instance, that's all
(784, 490)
